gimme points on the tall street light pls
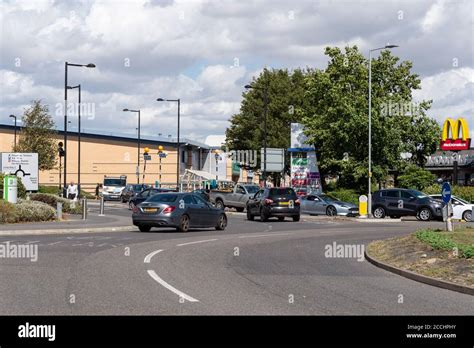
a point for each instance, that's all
(265, 106)
(66, 65)
(78, 139)
(138, 144)
(177, 142)
(370, 125)
(14, 141)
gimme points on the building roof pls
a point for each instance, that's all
(114, 136)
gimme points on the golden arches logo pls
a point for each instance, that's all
(455, 135)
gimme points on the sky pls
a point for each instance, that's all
(204, 52)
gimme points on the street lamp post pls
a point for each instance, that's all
(78, 139)
(14, 141)
(138, 143)
(370, 125)
(177, 140)
(265, 106)
(216, 156)
(66, 65)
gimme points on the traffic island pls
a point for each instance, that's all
(434, 257)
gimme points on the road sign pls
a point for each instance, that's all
(147, 157)
(275, 159)
(162, 154)
(23, 165)
(446, 192)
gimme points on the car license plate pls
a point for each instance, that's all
(149, 210)
(284, 203)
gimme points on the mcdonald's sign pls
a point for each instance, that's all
(455, 135)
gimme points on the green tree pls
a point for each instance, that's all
(336, 116)
(37, 135)
(415, 177)
(285, 94)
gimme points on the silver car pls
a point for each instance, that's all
(178, 210)
(323, 204)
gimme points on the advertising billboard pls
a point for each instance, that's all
(23, 165)
(455, 135)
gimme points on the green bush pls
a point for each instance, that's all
(54, 190)
(414, 177)
(21, 188)
(52, 200)
(8, 213)
(346, 195)
(464, 192)
(441, 242)
(32, 211)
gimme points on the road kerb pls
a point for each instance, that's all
(68, 231)
(420, 278)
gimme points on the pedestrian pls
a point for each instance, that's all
(71, 192)
(97, 191)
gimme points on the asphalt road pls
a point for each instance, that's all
(250, 268)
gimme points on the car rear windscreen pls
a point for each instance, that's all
(282, 192)
(163, 198)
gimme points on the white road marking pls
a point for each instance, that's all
(169, 287)
(266, 235)
(147, 258)
(199, 241)
(54, 243)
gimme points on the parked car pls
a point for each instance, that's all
(280, 202)
(113, 186)
(405, 202)
(179, 210)
(144, 195)
(131, 190)
(237, 198)
(326, 204)
(462, 209)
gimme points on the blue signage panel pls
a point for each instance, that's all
(446, 192)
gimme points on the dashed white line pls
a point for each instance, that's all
(147, 258)
(199, 241)
(171, 288)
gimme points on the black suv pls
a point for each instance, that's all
(404, 202)
(279, 202)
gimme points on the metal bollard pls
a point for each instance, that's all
(102, 203)
(84, 209)
(59, 211)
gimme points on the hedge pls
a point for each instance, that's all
(25, 211)
(52, 200)
(346, 195)
(464, 192)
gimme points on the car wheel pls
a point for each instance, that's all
(281, 218)
(379, 213)
(425, 214)
(221, 223)
(183, 224)
(249, 215)
(467, 216)
(240, 210)
(220, 205)
(131, 205)
(263, 215)
(296, 218)
(144, 228)
(331, 211)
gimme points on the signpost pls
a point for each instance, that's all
(447, 209)
(23, 165)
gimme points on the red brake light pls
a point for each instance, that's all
(268, 201)
(135, 209)
(169, 209)
(297, 202)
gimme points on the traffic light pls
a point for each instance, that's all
(60, 149)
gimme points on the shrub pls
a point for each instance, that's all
(346, 195)
(416, 178)
(440, 241)
(8, 213)
(32, 211)
(54, 190)
(52, 200)
(464, 192)
(21, 188)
